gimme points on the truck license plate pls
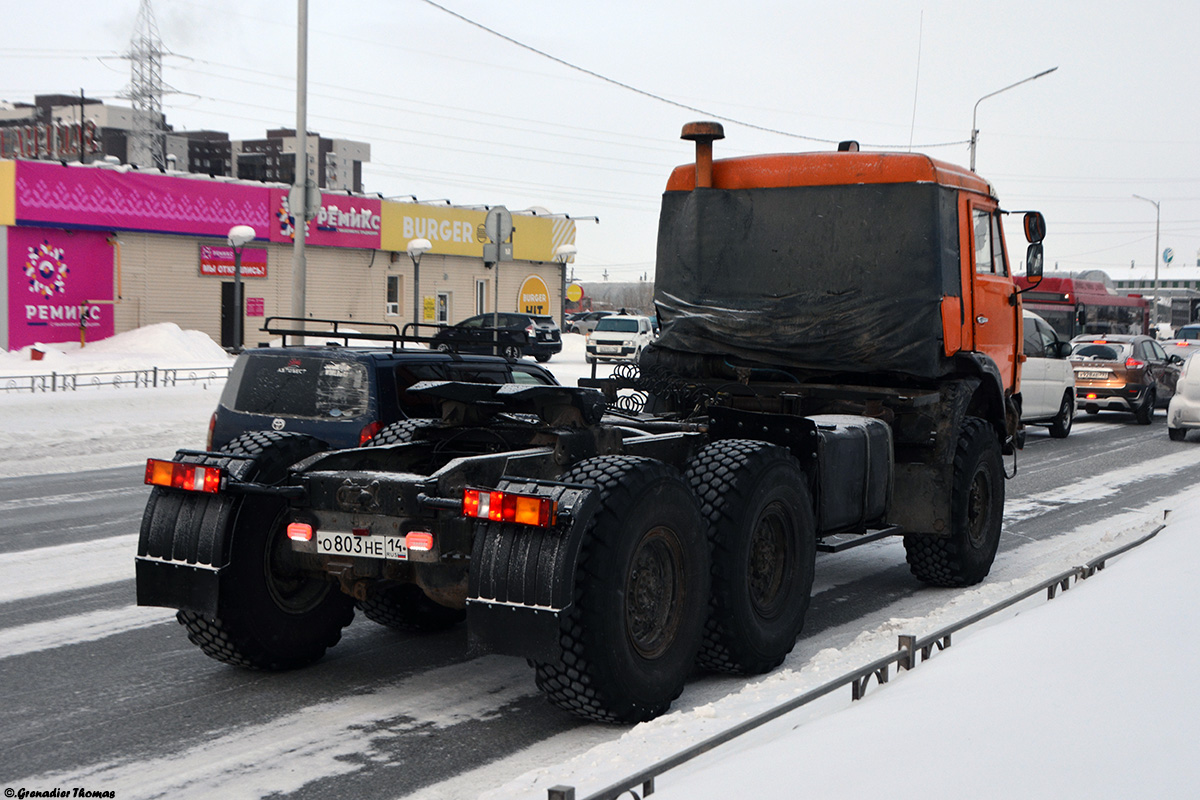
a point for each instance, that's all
(1093, 376)
(347, 544)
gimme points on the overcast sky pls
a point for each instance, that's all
(452, 111)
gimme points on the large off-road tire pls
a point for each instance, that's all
(1144, 414)
(403, 431)
(762, 539)
(1060, 426)
(271, 615)
(964, 556)
(630, 638)
(407, 608)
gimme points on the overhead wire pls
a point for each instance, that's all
(661, 98)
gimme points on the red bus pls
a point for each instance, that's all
(1074, 306)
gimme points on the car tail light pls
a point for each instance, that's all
(531, 330)
(1090, 396)
(178, 475)
(524, 509)
(300, 531)
(368, 432)
(212, 423)
(419, 541)
(1133, 363)
(1099, 341)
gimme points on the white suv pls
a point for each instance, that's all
(1047, 378)
(619, 338)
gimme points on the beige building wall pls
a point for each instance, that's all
(160, 281)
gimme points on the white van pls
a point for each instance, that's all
(1047, 378)
(620, 337)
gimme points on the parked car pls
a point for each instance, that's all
(519, 335)
(619, 338)
(344, 396)
(585, 323)
(1183, 413)
(1130, 373)
(1047, 378)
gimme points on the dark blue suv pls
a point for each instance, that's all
(344, 395)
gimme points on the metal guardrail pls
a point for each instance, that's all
(152, 377)
(905, 658)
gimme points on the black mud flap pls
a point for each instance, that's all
(523, 578)
(188, 587)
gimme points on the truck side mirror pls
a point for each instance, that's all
(1034, 262)
(1035, 226)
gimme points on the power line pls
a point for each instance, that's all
(658, 97)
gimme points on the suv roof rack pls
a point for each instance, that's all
(383, 331)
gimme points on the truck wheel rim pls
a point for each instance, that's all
(979, 503)
(291, 591)
(770, 555)
(654, 593)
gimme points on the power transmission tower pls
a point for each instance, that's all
(147, 143)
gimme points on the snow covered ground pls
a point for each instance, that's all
(1088, 695)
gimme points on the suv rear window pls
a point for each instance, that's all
(1100, 352)
(299, 386)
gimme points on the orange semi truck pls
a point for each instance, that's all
(839, 361)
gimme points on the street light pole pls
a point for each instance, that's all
(1157, 219)
(974, 130)
(416, 249)
(562, 255)
(239, 237)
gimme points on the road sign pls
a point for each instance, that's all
(498, 225)
(1168, 255)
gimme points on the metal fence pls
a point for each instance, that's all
(151, 377)
(905, 658)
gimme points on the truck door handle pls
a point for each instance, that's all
(982, 320)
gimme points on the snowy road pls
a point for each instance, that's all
(102, 694)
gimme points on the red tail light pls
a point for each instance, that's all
(212, 423)
(368, 432)
(177, 475)
(509, 507)
(1133, 363)
(300, 531)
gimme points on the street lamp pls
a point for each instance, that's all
(1157, 218)
(416, 249)
(239, 237)
(974, 130)
(562, 255)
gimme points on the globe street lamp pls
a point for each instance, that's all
(974, 130)
(416, 249)
(1157, 217)
(239, 237)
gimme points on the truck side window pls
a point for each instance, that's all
(982, 223)
(1000, 266)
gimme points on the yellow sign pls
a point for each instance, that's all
(459, 231)
(534, 296)
(428, 307)
(8, 193)
(574, 292)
